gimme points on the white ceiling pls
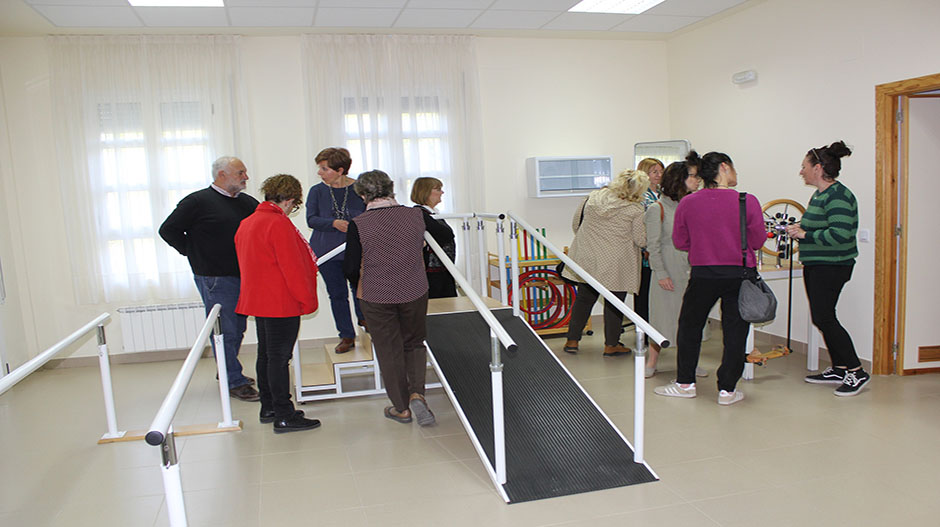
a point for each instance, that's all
(253, 16)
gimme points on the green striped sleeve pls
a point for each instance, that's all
(831, 224)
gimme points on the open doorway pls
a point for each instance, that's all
(899, 346)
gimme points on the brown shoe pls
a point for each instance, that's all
(571, 346)
(616, 351)
(245, 392)
(345, 345)
(363, 325)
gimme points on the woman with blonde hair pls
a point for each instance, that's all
(654, 169)
(609, 232)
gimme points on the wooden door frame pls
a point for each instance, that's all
(888, 216)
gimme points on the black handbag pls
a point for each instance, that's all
(756, 302)
(561, 265)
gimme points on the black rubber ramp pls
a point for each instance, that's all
(557, 441)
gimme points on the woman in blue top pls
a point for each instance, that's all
(331, 205)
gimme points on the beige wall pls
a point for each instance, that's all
(12, 336)
(540, 97)
(818, 64)
(543, 97)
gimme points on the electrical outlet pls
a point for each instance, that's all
(864, 235)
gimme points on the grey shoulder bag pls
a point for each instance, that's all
(756, 301)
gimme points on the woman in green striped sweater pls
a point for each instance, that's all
(827, 252)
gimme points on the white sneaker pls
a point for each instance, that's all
(673, 389)
(701, 372)
(725, 398)
(650, 371)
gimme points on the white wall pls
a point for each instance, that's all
(818, 64)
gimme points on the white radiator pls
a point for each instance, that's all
(161, 327)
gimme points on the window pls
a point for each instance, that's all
(417, 125)
(665, 151)
(139, 121)
(145, 169)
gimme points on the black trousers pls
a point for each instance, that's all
(823, 286)
(276, 337)
(641, 300)
(441, 284)
(581, 310)
(398, 332)
(698, 300)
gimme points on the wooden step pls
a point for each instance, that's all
(317, 374)
(362, 352)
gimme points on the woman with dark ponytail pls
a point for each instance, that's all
(707, 224)
(828, 251)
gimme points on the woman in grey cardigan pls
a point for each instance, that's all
(670, 266)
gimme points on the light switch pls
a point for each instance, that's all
(864, 235)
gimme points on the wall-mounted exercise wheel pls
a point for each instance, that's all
(777, 214)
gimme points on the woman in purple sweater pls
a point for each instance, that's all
(707, 225)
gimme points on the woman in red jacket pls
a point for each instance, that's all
(278, 285)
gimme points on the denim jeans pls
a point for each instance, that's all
(338, 288)
(224, 290)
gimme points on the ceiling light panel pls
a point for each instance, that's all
(623, 7)
(176, 3)
(534, 5)
(182, 16)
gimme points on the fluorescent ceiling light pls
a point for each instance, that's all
(176, 3)
(625, 7)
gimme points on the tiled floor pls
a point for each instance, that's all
(790, 454)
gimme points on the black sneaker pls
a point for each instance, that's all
(827, 376)
(853, 383)
(295, 423)
(267, 416)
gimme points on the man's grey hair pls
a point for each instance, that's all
(373, 185)
(221, 164)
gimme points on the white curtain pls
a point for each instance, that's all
(139, 121)
(407, 105)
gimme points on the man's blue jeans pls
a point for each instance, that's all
(224, 290)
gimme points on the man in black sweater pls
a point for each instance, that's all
(202, 228)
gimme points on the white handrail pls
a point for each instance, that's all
(498, 334)
(642, 328)
(36, 362)
(590, 280)
(333, 252)
(163, 419)
(491, 321)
